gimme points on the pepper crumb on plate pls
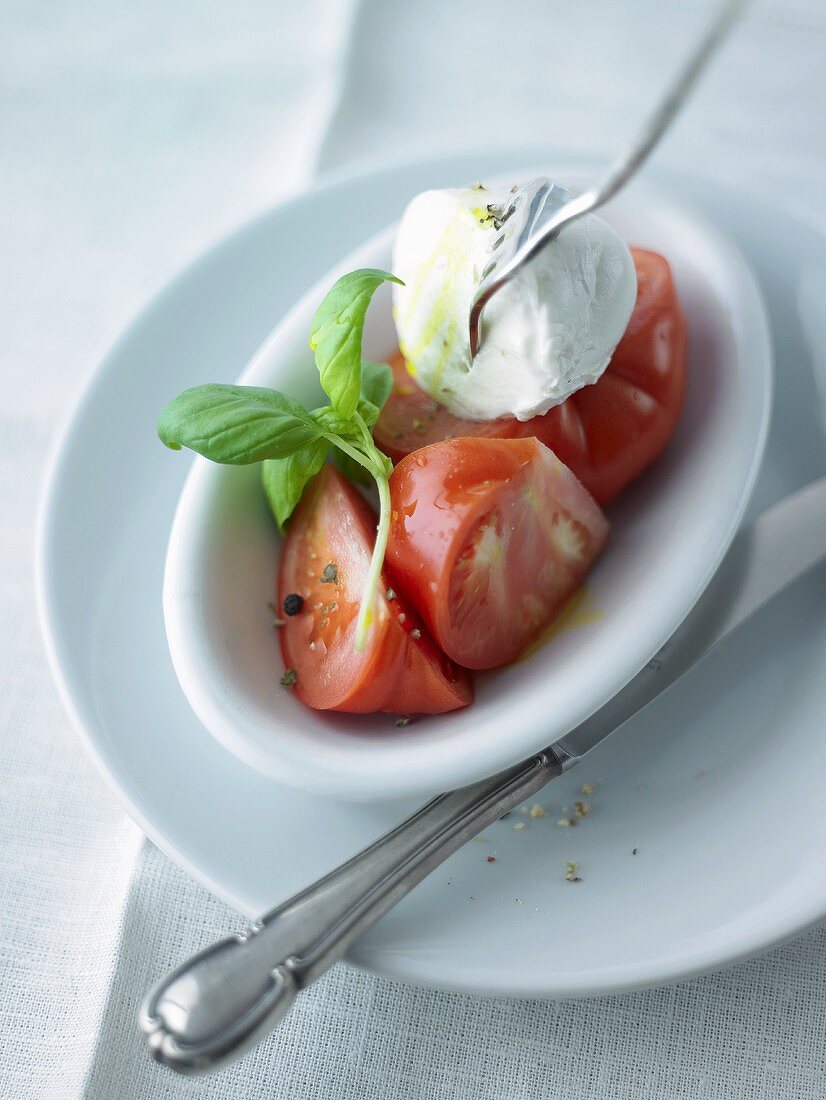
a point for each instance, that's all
(289, 678)
(403, 720)
(571, 869)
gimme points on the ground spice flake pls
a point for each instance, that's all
(329, 574)
(571, 869)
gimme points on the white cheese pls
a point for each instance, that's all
(547, 333)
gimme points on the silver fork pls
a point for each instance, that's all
(540, 209)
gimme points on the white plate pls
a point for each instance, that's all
(718, 784)
(669, 533)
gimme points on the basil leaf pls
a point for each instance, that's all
(376, 386)
(285, 479)
(336, 334)
(368, 412)
(331, 421)
(376, 383)
(236, 425)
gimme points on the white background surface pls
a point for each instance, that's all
(130, 137)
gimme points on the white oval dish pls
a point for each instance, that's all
(716, 784)
(670, 532)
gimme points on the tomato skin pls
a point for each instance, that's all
(401, 670)
(607, 433)
(489, 538)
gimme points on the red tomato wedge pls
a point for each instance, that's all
(608, 433)
(489, 538)
(325, 561)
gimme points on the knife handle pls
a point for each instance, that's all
(229, 996)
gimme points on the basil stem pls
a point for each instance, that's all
(372, 459)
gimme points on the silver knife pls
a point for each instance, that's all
(230, 995)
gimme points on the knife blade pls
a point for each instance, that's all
(765, 557)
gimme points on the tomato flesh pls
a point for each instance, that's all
(325, 560)
(489, 538)
(607, 433)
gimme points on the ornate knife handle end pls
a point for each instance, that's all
(229, 996)
(216, 1005)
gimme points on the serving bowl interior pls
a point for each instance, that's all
(670, 530)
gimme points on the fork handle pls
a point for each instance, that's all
(627, 163)
(548, 221)
(229, 996)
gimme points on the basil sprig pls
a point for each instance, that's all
(238, 425)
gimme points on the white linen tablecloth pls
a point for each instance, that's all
(130, 137)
